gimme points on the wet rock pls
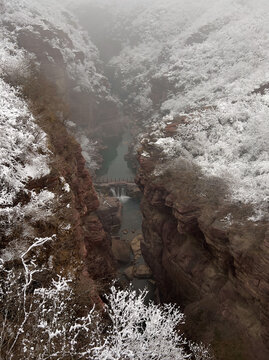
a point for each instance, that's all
(133, 191)
(136, 246)
(142, 271)
(129, 273)
(120, 250)
(109, 212)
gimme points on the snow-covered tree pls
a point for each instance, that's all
(59, 39)
(44, 321)
(205, 63)
(140, 331)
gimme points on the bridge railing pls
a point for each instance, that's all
(107, 180)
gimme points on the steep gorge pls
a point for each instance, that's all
(83, 247)
(87, 235)
(207, 252)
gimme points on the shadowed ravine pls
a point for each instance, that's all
(115, 167)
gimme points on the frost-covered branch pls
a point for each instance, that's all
(132, 330)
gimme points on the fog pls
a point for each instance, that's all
(165, 58)
(96, 95)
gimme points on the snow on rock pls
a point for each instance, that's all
(89, 150)
(60, 35)
(66, 186)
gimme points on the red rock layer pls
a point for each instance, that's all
(87, 240)
(84, 248)
(217, 269)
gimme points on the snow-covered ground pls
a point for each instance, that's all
(33, 32)
(49, 38)
(229, 141)
(24, 154)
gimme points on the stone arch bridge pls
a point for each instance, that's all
(105, 181)
(123, 186)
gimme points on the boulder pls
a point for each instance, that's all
(120, 250)
(109, 212)
(129, 273)
(133, 191)
(142, 271)
(136, 245)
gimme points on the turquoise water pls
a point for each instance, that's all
(114, 165)
(131, 218)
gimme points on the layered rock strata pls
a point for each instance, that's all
(206, 256)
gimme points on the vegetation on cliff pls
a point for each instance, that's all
(201, 67)
(126, 328)
(55, 37)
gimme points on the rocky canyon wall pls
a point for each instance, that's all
(87, 246)
(78, 248)
(206, 256)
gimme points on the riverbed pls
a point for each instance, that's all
(115, 167)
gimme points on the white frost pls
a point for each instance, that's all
(23, 147)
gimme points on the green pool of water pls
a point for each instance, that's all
(114, 165)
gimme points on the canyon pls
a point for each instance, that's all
(149, 123)
(207, 252)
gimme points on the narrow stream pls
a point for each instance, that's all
(115, 167)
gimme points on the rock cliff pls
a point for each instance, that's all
(87, 246)
(205, 255)
(77, 246)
